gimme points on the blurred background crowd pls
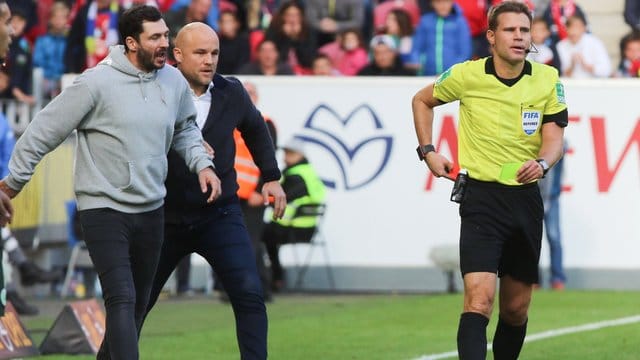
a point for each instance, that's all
(314, 37)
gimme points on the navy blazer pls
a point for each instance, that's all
(231, 108)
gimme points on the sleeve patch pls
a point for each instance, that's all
(443, 76)
(560, 93)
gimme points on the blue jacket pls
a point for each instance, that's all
(7, 142)
(48, 54)
(231, 108)
(439, 43)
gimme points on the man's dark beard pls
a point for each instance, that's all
(145, 59)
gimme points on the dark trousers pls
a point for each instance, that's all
(254, 219)
(222, 239)
(124, 249)
(275, 235)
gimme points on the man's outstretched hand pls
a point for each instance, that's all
(6, 209)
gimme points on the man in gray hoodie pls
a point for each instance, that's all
(128, 112)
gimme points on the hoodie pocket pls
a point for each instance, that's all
(147, 175)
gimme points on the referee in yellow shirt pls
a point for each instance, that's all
(511, 127)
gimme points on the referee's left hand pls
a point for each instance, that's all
(530, 171)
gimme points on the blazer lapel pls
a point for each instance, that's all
(218, 103)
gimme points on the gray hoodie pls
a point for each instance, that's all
(126, 121)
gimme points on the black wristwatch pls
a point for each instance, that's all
(545, 166)
(423, 150)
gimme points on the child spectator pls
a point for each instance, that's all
(292, 35)
(540, 50)
(234, 44)
(556, 15)
(19, 62)
(48, 53)
(582, 55)
(386, 61)
(322, 66)
(398, 25)
(441, 39)
(383, 8)
(347, 53)
(630, 50)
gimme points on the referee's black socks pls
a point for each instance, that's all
(472, 336)
(508, 340)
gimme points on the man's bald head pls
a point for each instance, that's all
(196, 51)
(187, 33)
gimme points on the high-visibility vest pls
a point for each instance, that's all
(316, 194)
(247, 172)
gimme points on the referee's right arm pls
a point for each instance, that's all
(422, 105)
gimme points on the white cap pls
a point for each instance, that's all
(295, 145)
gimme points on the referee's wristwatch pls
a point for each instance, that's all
(423, 150)
(545, 166)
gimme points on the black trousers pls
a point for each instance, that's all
(125, 249)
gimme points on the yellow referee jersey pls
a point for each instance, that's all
(499, 122)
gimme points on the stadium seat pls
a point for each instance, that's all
(317, 240)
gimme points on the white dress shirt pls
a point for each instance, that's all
(203, 104)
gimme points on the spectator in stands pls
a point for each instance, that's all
(441, 39)
(581, 54)
(217, 7)
(475, 12)
(630, 50)
(540, 50)
(347, 53)
(383, 8)
(632, 14)
(267, 62)
(48, 52)
(556, 15)
(385, 59)
(303, 186)
(293, 37)
(330, 17)
(399, 26)
(93, 31)
(195, 11)
(260, 13)
(29, 10)
(19, 63)
(234, 43)
(322, 66)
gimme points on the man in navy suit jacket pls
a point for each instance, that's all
(216, 230)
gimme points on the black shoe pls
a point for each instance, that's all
(20, 304)
(31, 274)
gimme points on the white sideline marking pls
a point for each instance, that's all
(549, 334)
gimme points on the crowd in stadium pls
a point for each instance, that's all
(312, 37)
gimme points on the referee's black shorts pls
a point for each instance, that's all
(501, 230)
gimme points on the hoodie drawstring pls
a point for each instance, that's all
(141, 83)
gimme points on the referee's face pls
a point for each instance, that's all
(511, 38)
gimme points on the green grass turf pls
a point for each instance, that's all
(378, 327)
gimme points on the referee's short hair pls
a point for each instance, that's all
(506, 7)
